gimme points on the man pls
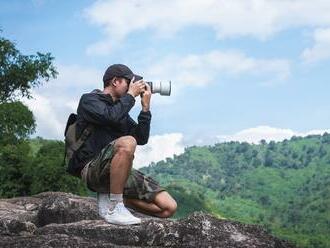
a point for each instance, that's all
(105, 159)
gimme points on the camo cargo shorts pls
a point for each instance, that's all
(97, 178)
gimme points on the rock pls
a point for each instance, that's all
(16, 219)
(55, 219)
(65, 208)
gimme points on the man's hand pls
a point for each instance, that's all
(145, 98)
(136, 88)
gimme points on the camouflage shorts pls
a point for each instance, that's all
(96, 175)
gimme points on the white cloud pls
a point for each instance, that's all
(47, 122)
(55, 100)
(254, 135)
(100, 48)
(158, 148)
(256, 18)
(74, 76)
(202, 69)
(321, 47)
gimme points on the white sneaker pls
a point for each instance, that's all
(121, 216)
(103, 204)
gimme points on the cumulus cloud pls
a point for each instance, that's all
(101, 47)
(47, 123)
(158, 148)
(202, 69)
(256, 18)
(54, 101)
(321, 47)
(254, 135)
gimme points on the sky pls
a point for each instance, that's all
(241, 70)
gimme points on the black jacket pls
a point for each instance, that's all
(110, 121)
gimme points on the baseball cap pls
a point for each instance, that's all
(119, 70)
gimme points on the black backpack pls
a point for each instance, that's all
(72, 142)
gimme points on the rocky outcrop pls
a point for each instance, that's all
(55, 219)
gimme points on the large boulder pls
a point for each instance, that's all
(55, 219)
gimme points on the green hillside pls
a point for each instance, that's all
(283, 186)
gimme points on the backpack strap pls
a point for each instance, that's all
(83, 137)
(73, 143)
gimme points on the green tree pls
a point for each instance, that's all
(19, 73)
(16, 122)
(14, 164)
(47, 172)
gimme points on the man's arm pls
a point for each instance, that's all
(94, 110)
(141, 130)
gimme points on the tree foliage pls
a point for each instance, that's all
(14, 169)
(47, 172)
(16, 121)
(19, 73)
(25, 171)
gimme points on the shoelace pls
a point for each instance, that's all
(120, 207)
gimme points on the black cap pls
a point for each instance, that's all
(119, 70)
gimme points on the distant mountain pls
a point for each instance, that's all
(284, 186)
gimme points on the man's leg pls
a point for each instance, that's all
(121, 163)
(163, 206)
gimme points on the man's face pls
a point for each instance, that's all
(121, 86)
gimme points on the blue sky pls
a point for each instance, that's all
(240, 70)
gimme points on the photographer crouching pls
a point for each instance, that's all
(105, 157)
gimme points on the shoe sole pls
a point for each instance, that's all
(123, 224)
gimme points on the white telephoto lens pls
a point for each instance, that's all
(163, 88)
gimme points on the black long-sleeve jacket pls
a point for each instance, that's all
(110, 120)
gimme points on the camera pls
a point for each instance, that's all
(163, 88)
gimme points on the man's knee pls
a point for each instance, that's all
(171, 208)
(167, 203)
(125, 144)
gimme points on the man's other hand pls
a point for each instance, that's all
(145, 98)
(136, 88)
